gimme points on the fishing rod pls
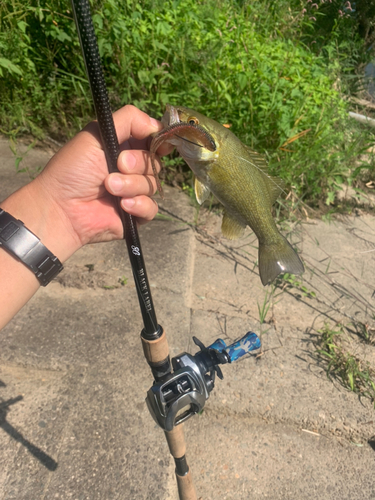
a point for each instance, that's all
(176, 394)
(154, 341)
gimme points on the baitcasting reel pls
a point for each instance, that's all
(184, 392)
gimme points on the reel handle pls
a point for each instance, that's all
(235, 351)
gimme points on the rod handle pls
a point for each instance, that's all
(157, 350)
(177, 447)
(176, 441)
(186, 488)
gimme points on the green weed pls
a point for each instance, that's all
(289, 281)
(365, 332)
(268, 303)
(160, 216)
(265, 306)
(354, 374)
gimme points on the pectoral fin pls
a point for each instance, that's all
(231, 228)
(201, 191)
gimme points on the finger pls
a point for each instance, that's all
(130, 186)
(134, 130)
(137, 162)
(132, 122)
(141, 206)
(129, 122)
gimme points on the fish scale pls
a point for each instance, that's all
(239, 190)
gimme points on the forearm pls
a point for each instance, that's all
(41, 216)
(71, 201)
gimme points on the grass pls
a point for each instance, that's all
(268, 69)
(265, 306)
(365, 332)
(289, 281)
(353, 373)
(269, 301)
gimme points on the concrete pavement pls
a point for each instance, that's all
(73, 421)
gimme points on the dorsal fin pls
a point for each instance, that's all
(275, 185)
(258, 158)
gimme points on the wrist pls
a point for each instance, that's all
(35, 207)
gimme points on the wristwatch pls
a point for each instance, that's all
(22, 244)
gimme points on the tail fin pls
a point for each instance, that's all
(276, 258)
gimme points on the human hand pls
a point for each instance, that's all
(69, 205)
(77, 182)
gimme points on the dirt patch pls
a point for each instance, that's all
(82, 277)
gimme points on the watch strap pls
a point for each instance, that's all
(21, 243)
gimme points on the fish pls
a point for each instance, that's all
(238, 177)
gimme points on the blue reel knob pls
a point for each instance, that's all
(250, 342)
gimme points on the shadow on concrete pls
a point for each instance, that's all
(371, 442)
(43, 458)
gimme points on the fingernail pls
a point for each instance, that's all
(115, 183)
(128, 160)
(128, 202)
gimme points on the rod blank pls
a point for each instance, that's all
(89, 45)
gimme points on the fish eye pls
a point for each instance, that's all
(193, 121)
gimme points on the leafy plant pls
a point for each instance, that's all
(253, 65)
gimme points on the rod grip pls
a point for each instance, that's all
(156, 351)
(186, 488)
(176, 441)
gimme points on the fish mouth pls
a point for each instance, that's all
(170, 116)
(171, 120)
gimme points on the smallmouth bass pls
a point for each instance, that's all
(238, 177)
